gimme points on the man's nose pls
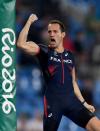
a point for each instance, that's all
(52, 34)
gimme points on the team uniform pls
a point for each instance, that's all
(59, 97)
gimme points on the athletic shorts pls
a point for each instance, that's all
(55, 107)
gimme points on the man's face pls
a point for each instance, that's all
(55, 35)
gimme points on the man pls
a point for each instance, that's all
(62, 95)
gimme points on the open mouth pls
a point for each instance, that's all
(52, 40)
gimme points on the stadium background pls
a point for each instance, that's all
(82, 21)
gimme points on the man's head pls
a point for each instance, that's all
(56, 32)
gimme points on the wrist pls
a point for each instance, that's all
(83, 102)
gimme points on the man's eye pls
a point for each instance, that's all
(55, 31)
(49, 31)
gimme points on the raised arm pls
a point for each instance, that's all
(28, 46)
(78, 93)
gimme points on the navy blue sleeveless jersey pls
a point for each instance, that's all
(59, 97)
(57, 70)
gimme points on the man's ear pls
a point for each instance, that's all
(63, 34)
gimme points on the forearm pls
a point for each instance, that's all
(77, 91)
(80, 97)
(23, 34)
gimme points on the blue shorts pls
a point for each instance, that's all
(55, 107)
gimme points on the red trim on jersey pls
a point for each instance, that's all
(52, 69)
(45, 107)
(62, 63)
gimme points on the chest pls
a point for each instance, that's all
(59, 60)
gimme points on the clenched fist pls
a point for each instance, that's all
(32, 18)
(89, 107)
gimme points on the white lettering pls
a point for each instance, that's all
(7, 105)
(8, 76)
(58, 60)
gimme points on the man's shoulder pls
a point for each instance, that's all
(69, 52)
(43, 47)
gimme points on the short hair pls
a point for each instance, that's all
(62, 26)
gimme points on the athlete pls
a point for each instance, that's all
(62, 95)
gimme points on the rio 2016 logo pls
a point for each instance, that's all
(8, 75)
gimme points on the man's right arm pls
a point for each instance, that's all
(29, 47)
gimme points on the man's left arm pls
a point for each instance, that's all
(78, 92)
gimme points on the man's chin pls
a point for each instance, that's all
(52, 46)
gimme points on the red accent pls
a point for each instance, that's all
(62, 63)
(45, 107)
(52, 69)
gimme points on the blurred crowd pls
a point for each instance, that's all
(82, 21)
